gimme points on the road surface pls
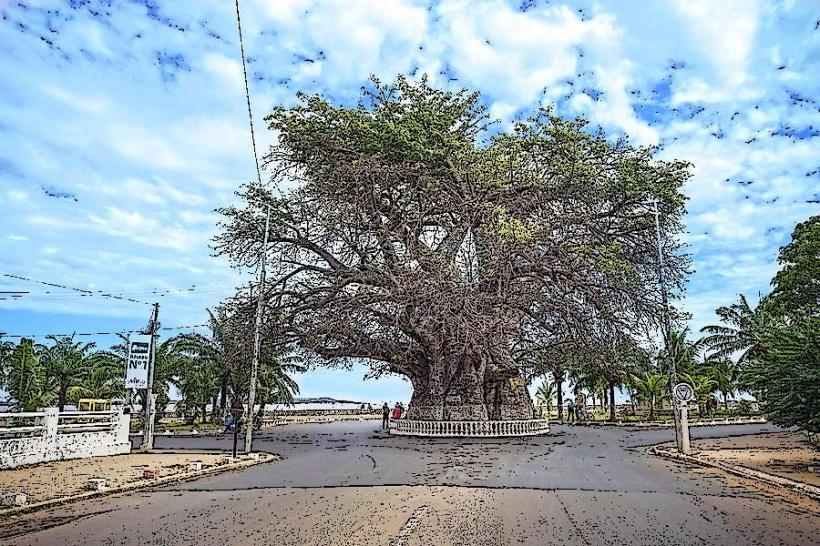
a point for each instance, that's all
(347, 483)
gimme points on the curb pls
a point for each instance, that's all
(669, 424)
(141, 484)
(810, 491)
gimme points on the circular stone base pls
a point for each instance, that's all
(470, 429)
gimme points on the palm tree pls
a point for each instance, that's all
(25, 378)
(6, 349)
(725, 374)
(221, 349)
(651, 388)
(276, 386)
(742, 331)
(546, 393)
(66, 364)
(198, 384)
(682, 350)
(105, 380)
(703, 386)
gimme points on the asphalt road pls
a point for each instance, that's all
(347, 483)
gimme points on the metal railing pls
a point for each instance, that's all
(470, 429)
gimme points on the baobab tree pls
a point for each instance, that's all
(416, 237)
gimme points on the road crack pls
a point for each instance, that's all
(410, 526)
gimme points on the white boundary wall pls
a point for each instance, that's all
(53, 436)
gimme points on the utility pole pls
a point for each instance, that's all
(257, 336)
(681, 435)
(149, 410)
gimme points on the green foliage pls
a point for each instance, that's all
(103, 382)
(703, 385)
(797, 284)
(786, 378)
(724, 373)
(651, 388)
(741, 331)
(25, 378)
(221, 360)
(546, 393)
(777, 341)
(683, 351)
(66, 365)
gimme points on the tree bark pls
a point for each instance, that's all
(223, 393)
(559, 383)
(61, 396)
(611, 400)
(464, 395)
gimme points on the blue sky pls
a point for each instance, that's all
(123, 125)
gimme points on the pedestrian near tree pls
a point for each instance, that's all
(385, 415)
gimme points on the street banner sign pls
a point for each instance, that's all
(683, 392)
(139, 352)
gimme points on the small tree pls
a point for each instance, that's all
(546, 393)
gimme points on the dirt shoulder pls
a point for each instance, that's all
(53, 480)
(784, 454)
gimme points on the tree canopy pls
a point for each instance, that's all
(416, 239)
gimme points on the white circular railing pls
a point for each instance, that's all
(470, 429)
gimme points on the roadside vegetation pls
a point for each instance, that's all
(770, 351)
(207, 370)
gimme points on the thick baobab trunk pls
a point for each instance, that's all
(468, 396)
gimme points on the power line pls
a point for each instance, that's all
(81, 291)
(247, 94)
(84, 334)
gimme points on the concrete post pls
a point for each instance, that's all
(122, 424)
(684, 429)
(51, 417)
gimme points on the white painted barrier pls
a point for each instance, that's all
(470, 429)
(36, 437)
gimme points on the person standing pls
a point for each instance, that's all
(385, 416)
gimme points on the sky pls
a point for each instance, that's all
(123, 125)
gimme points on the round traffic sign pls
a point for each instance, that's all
(683, 392)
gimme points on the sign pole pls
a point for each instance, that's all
(667, 328)
(149, 411)
(682, 393)
(684, 428)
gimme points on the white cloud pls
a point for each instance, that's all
(82, 103)
(146, 230)
(725, 32)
